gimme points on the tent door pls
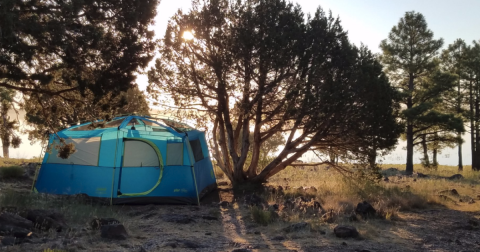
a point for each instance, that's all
(142, 168)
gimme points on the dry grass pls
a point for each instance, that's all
(341, 194)
(17, 161)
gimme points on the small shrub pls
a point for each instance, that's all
(261, 216)
(11, 172)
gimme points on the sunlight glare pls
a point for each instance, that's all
(187, 35)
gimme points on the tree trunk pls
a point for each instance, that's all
(409, 165)
(5, 150)
(426, 159)
(5, 132)
(472, 127)
(435, 162)
(460, 161)
(476, 167)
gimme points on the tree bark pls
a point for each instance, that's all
(472, 126)
(426, 159)
(435, 163)
(409, 165)
(460, 161)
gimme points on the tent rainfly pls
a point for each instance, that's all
(130, 160)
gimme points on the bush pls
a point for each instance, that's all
(11, 172)
(260, 216)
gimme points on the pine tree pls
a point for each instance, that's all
(453, 61)
(472, 78)
(410, 59)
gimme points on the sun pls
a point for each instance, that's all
(187, 35)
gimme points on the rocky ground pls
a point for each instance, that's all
(223, 222)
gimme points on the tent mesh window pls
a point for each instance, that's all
(174, 153)
(87, 152)
(84, 127)
(197, 150)
(139, 154)
(155, 127)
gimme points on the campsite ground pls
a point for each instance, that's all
(413, 213)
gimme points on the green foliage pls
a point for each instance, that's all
(261, 216)
(73, 59)
(410, 55)
(260, 69)
(7, 172)
(8, 127)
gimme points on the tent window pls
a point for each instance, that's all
(155, 127)
(174, 153)
(139, 154)
(87, 151)
(114, 123)
(197, 150)
(84, 127)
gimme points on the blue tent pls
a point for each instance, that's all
(131, 159)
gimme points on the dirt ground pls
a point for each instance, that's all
(223, 223)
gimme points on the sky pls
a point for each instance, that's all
(367, 22)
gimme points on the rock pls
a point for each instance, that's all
(344, 243)
(365, 210)
(10, 241)
(46, 219)
(208, 233)
(255, 200)
(329, 217)
(278, 238)
(311, 190)
(178, 218)
(224, 204)
(273, 208)
(114, 231)
(455, 177)
(97, 223)
(343, 231)
(182, 243)
(295, 227)
(467, 199)
(17, 232)
(446, 198)
(452, 192)
(222, 183)
(421, 175)
(9, 219)
(208, 217)
(241, 250)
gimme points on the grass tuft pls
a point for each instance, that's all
(261, 216)
(9, 172)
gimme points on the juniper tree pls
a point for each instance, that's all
(261, 68)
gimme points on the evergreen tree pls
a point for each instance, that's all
(259, 68)
(45, 112)
(453, 61)
(7, 125)
(410, 59)
(472, 78)
(68, 50)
